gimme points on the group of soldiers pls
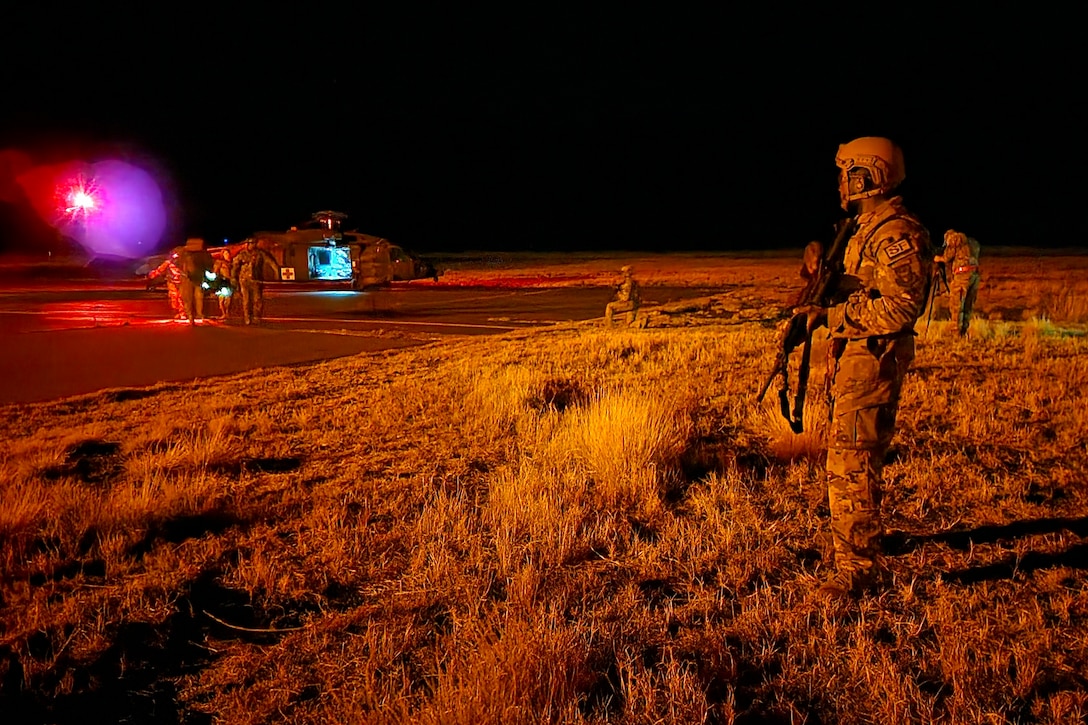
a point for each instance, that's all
(890, 270)
(192, 271)
(959, 258)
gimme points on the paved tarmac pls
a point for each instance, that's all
(61, 340)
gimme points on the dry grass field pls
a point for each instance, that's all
(567, 525)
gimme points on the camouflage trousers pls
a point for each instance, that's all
(192, 296)
(626, 306)
(962, 293)
(859, 440)
(252, 300)
(173, 293)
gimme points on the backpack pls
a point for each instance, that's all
(194, 265)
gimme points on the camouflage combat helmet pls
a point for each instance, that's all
(868, 166)
(952, 236)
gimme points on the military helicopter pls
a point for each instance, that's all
(321, 251)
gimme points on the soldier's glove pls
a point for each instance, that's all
(816, 316)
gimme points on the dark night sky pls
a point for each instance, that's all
(584, 129)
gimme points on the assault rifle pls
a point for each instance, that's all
(822, 270)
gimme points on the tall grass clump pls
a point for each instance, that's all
(619, 451)
(630, 444)
(782, 442)
(497, 397)
(25, 502)
(513, 670)
(767, 421)
(537, 515)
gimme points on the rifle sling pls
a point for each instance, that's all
(797, 421)
(796, 417)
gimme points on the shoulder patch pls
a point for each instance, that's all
(894, 251)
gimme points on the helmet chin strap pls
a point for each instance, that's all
(859, 199)
(865, 195)
(859, 180)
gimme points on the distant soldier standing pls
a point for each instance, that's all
(627, 298)
(247, 276)
(196, 264)
(887, 271)
(170, 269)
(960, 255)
(224, 294)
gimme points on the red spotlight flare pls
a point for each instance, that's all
(78, 198)
(109, 207)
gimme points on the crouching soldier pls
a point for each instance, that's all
(626, 300)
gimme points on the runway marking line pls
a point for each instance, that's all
(392, 323)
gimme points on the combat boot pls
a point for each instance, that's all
(852, 583)
(841, 585)
(846, 584)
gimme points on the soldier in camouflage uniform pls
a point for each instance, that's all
(627, 299)
(225, 294)
(246, 276)
(960, 255)
(887, 273)
(170, 269)
(196, 264)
